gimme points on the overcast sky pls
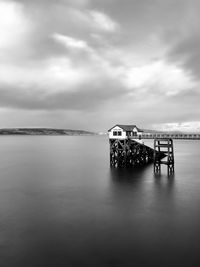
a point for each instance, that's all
(90, 64)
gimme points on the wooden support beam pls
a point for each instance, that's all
(164, 146)
(129, 153)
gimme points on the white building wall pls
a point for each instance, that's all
(117, 129)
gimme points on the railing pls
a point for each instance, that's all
(173, 136)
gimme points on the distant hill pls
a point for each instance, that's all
(43, 131)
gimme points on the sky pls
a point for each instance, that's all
(91, 64)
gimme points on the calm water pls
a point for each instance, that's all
(62, 205)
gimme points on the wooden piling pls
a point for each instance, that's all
(128, 152)
(164, 145)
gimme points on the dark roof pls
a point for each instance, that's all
(127, 128)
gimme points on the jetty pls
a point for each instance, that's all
(123, 131)
(128, 150)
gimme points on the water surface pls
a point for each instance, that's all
(62, 205)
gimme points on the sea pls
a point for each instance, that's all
(62, 205)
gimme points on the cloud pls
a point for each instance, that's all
(187, 53)
(70, 42)
(103, 22)
(190, 126)
(97, 56)
(80, 3)
(163, 77)
(13, 25)
(73, 81)
(54, 74)
(183, 38)
(15, 30)
(37, 99)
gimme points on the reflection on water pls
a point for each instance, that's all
(62, 205)
(127, 174)
(164, 181)
(137, 178)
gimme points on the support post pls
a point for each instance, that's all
(127, 153)
(164, 146)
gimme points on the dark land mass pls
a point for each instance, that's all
(43, 131)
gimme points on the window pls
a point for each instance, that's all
(117, 133)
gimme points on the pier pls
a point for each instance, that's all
(123, 131)
(127, 151)
(170, 135)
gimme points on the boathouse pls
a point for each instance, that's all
(124, 131)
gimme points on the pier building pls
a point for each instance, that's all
(120, 131)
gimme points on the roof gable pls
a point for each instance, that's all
(127, 128)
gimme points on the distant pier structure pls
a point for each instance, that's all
(125, 151)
